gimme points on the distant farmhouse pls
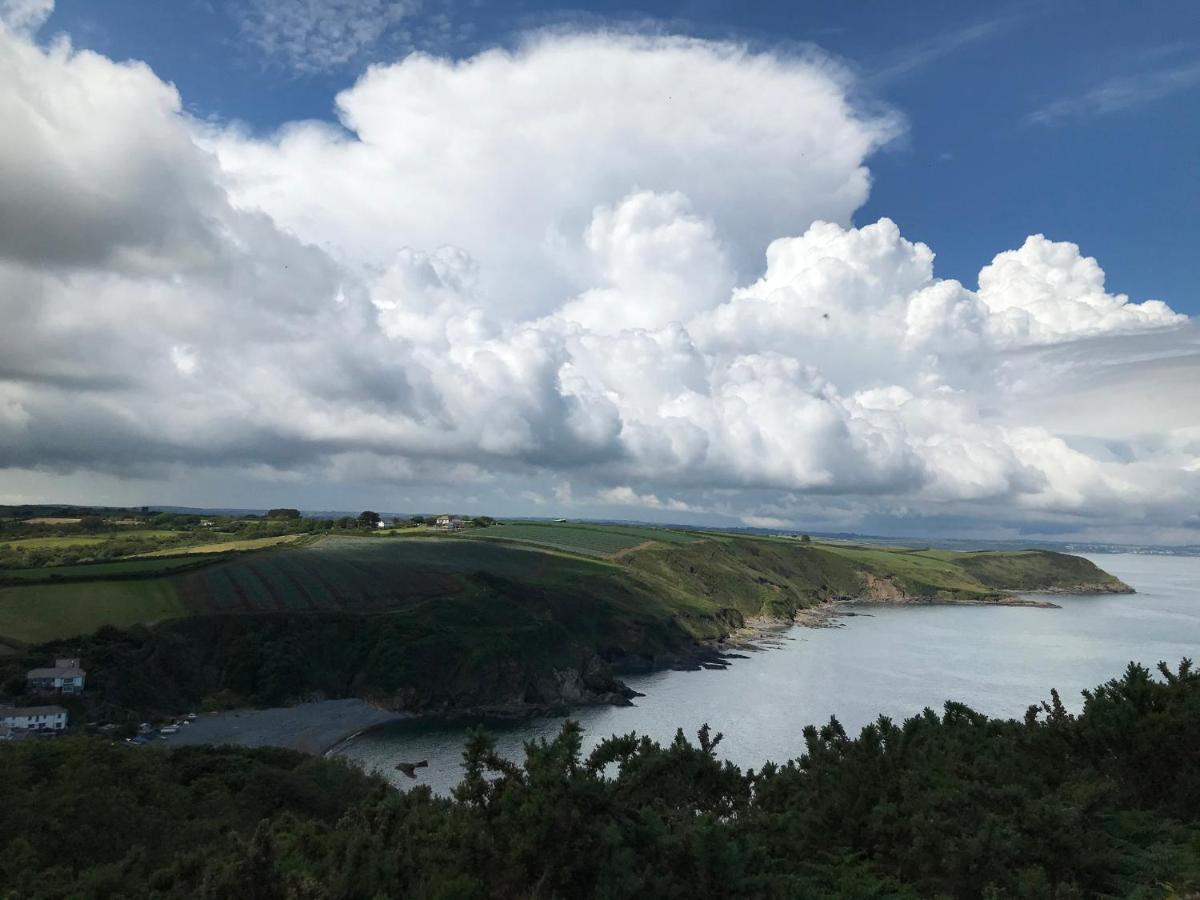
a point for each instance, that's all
(64, 677)
(16, 722)
(450, 523)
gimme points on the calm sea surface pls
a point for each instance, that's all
(895, 661)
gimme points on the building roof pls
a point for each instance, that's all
(56, 672)
(7, 711)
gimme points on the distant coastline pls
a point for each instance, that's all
(324, 727)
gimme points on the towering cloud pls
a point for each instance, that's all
(514, 155)
(616, 268)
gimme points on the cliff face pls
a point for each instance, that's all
(881, 588)
(515, 687)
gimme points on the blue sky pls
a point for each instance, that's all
(1074, 119)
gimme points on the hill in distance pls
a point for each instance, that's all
(513, 618)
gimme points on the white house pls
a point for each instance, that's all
(33, 718)
(450, 523)
(64, 677)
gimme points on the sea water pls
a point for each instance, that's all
(889, 660)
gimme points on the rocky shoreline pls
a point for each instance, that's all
(598, 682)
(309, 727)
(1116, 586)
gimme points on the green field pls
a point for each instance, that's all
(116, 569)
(84, 540)
(917, 571)
(224, 546)
(592, 540)
(37, 613)
(367, 574)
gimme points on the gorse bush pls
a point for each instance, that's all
(1103, 803)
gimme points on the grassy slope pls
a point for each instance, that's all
(226, 546)
(46, 612)
(424, 624)
(754, 577)
(591, 540)
(38, 605)
(119, 569)
(83, 540)
(1035, 570)
(775, 577)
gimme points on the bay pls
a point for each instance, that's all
(890, 660)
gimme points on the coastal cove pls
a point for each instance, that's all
(891, 660)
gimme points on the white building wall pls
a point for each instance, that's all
(51, 721)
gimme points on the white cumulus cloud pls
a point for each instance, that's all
(611, 269)
(25, 16)
(1048, 291)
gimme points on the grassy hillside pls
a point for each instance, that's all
(117, 570)
(755, 577)
(419, 623)
(227, 546)
(372, 574)
(520, 614)
(38, 605)
(688, 576)
(1035, 570)
(45, 612)
(83, 540)
(775, 577)
(593, 540)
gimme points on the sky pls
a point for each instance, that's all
(903, 269)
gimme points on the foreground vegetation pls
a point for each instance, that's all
(1103, 804)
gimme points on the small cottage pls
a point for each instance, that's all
(64, 677)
